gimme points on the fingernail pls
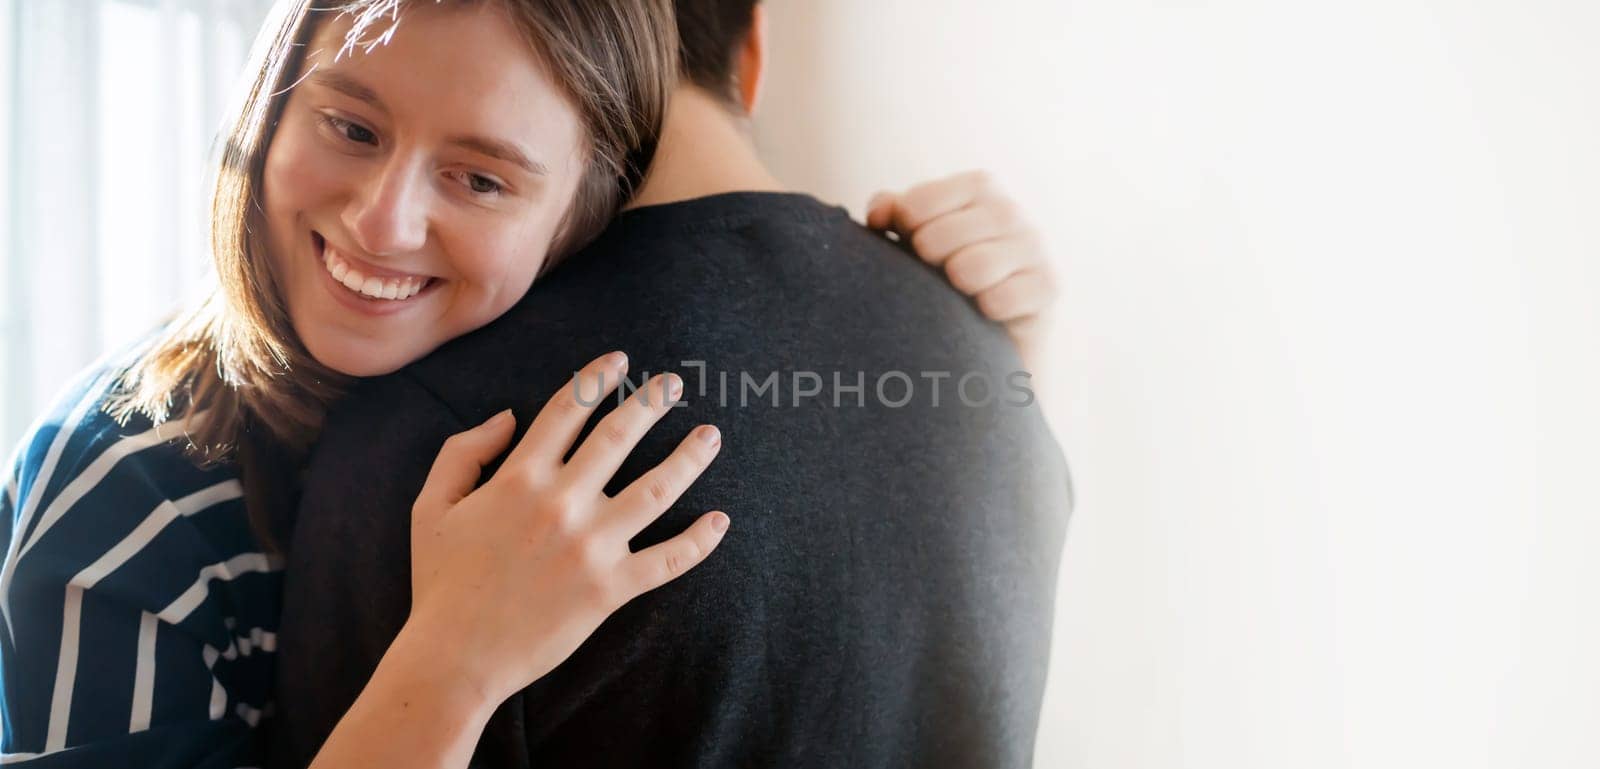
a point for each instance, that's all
(499, 419)
(719, 522)
(674, 387)
(616, 359)
(710, 434)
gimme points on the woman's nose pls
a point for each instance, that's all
(388, 215)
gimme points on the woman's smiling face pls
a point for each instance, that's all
(412, 192)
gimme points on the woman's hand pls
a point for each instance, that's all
(508, 579)
(984, 244)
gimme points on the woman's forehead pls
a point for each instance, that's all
(467, 38)
(463, 64)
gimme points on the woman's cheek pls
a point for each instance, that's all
(302, 170)
(506, 269)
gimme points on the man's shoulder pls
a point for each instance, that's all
(783, 261)
(785, 245)
(374, 452)
(766, 278)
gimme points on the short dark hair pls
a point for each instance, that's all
(709, 33)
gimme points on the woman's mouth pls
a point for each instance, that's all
(366, 281)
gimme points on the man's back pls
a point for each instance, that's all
(884, 594)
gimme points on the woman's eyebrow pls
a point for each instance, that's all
(348, 86)
(503, 150)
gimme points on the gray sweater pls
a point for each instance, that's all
(884, 595)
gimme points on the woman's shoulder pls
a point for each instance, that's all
(124, 557)
(78, 431)
(79, 468)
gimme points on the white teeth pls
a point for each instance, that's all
(373, 287)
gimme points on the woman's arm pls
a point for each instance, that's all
(415, 712)
(509, 578)
(967, 226)
(138, 611)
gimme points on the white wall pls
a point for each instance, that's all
(1329, 350)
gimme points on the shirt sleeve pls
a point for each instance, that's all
(137, 615)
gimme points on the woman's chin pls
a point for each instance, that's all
(358, 359)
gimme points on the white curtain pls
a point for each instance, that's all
(108, 112)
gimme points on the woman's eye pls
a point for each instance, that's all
(351, 131)
(482, 185)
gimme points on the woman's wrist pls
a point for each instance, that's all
(429, 661)
(417, 710)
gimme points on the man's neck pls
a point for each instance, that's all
(705, 149)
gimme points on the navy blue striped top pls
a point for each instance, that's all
(138, 614)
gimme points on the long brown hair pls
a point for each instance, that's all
(232, 367)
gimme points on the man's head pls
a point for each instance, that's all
(722, 48)
(707, 144)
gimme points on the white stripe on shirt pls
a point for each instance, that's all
(244, 563)
(144, 675)
(113, 559)
(8, 496)
(241, 646)
(66, 671)
(41, 481)
(219, 700)
(75, 490)
(90, 478)
(152, 525)
(219, 695)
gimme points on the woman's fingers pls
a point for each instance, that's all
(659, 564)
(563, 417)
(461, 460)
(985, 219)
(605, 449)
(880, 210)
(1025, 293)
(984, 265)
(907, 212)
(928, 201)
(648, 497)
